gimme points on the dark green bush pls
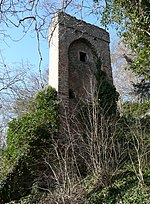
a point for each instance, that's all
(136, 109)
(124, 189)
(27, 137)
(106, 92)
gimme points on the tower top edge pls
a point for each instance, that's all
(65, 16)
(62, 18)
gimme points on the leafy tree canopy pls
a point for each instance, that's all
(131, 18)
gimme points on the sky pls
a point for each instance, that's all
(16, 48)
(25, 49)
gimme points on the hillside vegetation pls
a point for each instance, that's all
(104, 160)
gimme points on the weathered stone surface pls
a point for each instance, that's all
(75, 47)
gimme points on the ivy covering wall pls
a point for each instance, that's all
(27, 138)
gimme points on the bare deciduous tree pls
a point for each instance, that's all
(89, 143)
(18, 86)
(123, 77)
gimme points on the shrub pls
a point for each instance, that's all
(27, 137)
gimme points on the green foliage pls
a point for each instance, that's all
(46, 99)
(135, 109)
(106, 92)
(124, 189)
(131, 19)
(27, 137)
(30, 135)
(126, 186)
(24, 106)
(136, 122)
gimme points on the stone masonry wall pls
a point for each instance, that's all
(68, 39)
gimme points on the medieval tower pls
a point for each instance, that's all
(75, 47)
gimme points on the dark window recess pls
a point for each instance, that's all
(71, 94)
(83, 57)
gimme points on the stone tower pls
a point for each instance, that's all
(75, 47)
